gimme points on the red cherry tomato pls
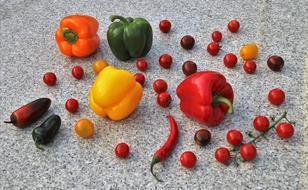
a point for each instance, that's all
(77, 72)
(188, 159)
(222, 155)
(165, 26)
(216, 36)
(230, 60)
(234, 137)
(261, 123)
(248, 152)
(165, 61)
(163, 99)
(285, 130)
(160, 86)
(122, 150)
(71, 105)
(139, 77)
(50, 79)
(276, 96)
(233, 26)
(142, 64)
(213, 48)
(250, 67)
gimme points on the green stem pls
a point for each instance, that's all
(155, 160)
(8, 121)
(39, 146)
(217, 99)
(114, 17)
(70, 36)
(283, 116)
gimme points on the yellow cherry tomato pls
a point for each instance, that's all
(249, 51)
(84, 128)
(99, 65)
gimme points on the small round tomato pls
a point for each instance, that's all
(248, 152)
(163, 99)
(84, 128)
(142, 64)
(188, 159)
(77, 72)
(261, 123)
(121, 150)
(250, 67)
(285, 130)
(202, 137)
(160, 86)
(99, 65)
(165, 26)
(276, 96)
(275, 63)
(50, 79)
(165, 61)
(230, 60)
(234, 137)
(213, 48)
(222, 155)
(187, 42)
(71, 105)
(216, 36)
(139, 77)
(233, 26)
(249, 51)
(189, 67)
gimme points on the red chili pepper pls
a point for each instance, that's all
(206, 97)
(161, 154)
(29, 113)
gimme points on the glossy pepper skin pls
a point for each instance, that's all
(77, 36)
(115, 93)
(29, 113)
(44, 133)
(206, 97)
(129, 38)
(162, 153)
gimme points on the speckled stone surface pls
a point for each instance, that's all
(28, 50)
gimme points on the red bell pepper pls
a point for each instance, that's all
(206, 97)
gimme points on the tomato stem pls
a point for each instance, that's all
(254, 140)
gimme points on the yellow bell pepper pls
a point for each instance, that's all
(115, 93)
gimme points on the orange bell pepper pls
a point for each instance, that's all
(77, 36)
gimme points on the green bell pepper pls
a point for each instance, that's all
(129, 38)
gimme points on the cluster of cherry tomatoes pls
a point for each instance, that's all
(248, 150)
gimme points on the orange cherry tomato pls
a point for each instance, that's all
(99, 65)
(84, 128)
(249, 51)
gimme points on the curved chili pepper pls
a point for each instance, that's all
(29, 113)
(162, 154)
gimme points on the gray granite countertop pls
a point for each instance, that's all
(28, 50)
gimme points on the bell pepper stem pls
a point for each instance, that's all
(217, 99)
(70, 36)
(155, 160)
(114, 17)
(39, 146)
